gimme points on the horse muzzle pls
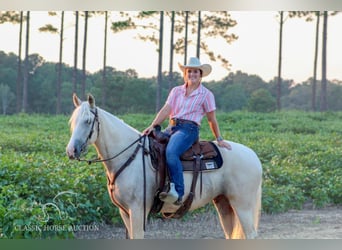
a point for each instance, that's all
(75, 149)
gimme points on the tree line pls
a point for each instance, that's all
(211, 24)
(33, 85)
(309, 16)
(126, 92)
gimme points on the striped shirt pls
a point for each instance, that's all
(192, 107)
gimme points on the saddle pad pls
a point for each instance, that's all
(211, 157)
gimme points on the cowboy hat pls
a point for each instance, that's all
(194, 62)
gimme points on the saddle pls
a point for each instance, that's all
(201, 156)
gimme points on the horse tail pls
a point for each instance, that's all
(257, 207)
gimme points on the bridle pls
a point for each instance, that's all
(98, 159)
(96, 119)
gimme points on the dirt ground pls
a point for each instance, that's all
(307, 223)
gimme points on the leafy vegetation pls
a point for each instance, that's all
(40, 187)
(44, 195)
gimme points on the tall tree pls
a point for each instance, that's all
(19, 68)
(84, 56)
(309, 16)
(59, 74)
(186, 36)
(324, 62)
(216, 25)
(314, 79)
(74, 75)
(172, 31)
(104, 76)
(281, 23)
(26, 65)
(160, 60)
(213, 24)
(208, 25)
(198, 47)
(129, 23)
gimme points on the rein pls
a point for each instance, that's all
(118, 154)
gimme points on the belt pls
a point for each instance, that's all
(177, 121)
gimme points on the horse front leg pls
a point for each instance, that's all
(126, 221)
(136, 223)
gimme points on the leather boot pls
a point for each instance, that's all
(171, 196)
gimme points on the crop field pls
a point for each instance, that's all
(45, 195)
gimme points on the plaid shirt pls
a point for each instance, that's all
(192, 107)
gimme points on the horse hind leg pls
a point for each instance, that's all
(226, 215)
(247, 219)
(237, 223)
(246, 230)
(248, 211)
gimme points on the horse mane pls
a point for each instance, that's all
(118, 121)
(83, 111)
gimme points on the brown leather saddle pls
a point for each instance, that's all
(202, 156)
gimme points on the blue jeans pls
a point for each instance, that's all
(182, 137)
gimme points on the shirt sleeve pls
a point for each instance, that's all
(170, 98)
(209, 104)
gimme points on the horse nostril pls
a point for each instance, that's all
(74, 149)
(77, 153)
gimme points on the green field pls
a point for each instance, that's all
(43, 194)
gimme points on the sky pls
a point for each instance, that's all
(255, 51)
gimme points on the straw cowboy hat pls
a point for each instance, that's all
(194, 62)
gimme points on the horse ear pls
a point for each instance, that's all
(91, 100)
(76, 100)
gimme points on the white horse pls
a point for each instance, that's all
(235, 188)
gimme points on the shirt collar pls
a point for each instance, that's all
(197, 91)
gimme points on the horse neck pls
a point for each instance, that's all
(114, 136)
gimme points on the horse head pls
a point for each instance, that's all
(82, 125)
